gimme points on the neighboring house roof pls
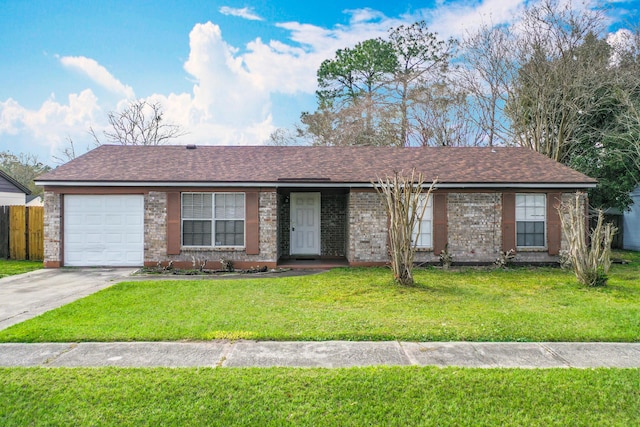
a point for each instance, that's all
(10, 184)
(34, 200)
(319, 166)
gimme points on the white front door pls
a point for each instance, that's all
(305, 224)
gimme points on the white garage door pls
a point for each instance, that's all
(103, 230)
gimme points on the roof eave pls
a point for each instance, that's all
(323, 184)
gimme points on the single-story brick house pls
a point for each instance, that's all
(265, 205)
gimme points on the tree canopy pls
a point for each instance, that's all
(551, 82)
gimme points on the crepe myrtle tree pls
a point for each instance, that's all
(403, 197)
(589, 251)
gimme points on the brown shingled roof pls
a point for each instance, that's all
(268, 164)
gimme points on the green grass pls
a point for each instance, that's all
(544, 304)
(11, 267)
(389, 396)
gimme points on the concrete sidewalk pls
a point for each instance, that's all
(329, 354)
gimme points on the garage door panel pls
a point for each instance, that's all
(93, 219)
(113, 219)
(92, 239)
(114, 238)
(104, 230)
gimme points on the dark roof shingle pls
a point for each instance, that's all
(268, 164)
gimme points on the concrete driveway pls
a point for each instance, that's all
(27, 295)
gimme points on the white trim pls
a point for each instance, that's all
(315, 184)
(213, 220)
(317, 219)
(544, 221)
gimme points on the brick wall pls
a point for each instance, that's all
(475, 226)
(284, 220)
(52, 229)
(155, 226)
(333, 225)
(268, 213)
(367, 228)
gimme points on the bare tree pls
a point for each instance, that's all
(282, 137)
(402, 196)
(486, 73)
(365, 121)
(551, 90)
(440, 116)
(589, 253)
(66, 153)
(141, 123)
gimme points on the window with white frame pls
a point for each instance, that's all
(425, 238)
(531, 218)
(213, 219)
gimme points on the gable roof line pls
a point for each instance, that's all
(13, 181)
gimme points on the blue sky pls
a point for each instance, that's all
(229, 72)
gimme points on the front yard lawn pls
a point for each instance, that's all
(523, 304)
(389, 396)
(10, 267)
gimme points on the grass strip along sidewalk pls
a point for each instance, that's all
(340, 397)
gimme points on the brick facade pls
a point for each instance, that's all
(52, 229)
(155, 226)
(284, 219)
(353, 225)
(367, 233)
(268, 227)
(333, 225)
(475, 226)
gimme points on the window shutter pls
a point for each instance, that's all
(554, 228)
(439, 222)
(173, 223)
(252, 239)
(508, 221)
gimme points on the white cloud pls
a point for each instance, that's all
(245, 12)
(99, 74)
(230, 101)
(452, 20)
(46, 128)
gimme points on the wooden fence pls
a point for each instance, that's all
(22, 232)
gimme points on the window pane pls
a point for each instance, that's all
(538, 239)
(229, 233)
(528, 241)
(196, 233)
(196, 205)
(530, 233)
(538, 228)
(229, 206)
